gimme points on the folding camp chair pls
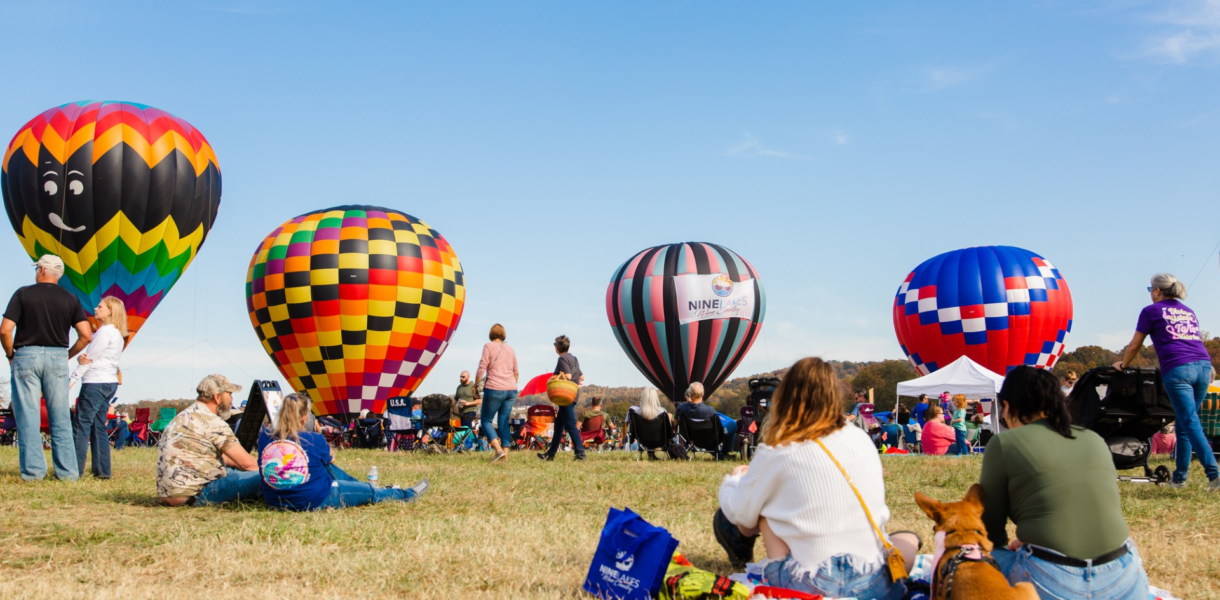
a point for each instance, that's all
(8, 427)
(701, 435)
(650, 435)
(156, 427)
(539, 427)
(911, 436)
(593, 433)
(972, 435)
(1209, 415)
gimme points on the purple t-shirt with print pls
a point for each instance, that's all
(1175, 333)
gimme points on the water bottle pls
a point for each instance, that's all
(374, 477)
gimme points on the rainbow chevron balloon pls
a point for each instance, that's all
(124, 193)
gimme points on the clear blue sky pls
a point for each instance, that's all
(834, 145)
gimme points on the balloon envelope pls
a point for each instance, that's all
(1002, 306)
(124, 193)
(355, 304)
(686, 312)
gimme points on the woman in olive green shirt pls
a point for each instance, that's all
(1058, 484)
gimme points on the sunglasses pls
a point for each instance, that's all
(1150, 288)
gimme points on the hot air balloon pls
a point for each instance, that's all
(1001, 306)
(354, 304)
(124, 193)
(686, 312)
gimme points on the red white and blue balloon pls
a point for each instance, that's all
(1001, 306)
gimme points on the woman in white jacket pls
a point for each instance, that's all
(817, 535)
(99, 376)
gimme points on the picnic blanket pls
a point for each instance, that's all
(920, 572)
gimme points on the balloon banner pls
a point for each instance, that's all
(1002, 306)
(355, 304)
(686, 312)
(124, 193)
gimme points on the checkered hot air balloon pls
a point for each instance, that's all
(672, 309)
(1002, 306)
(355, 304)
(124, 193)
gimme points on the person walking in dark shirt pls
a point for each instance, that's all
(565, 420)
(34, 334)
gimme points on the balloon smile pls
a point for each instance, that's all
(58, 222)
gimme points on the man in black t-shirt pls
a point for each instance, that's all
(41, 315)
(565, 417)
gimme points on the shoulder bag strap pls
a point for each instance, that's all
(890, 550)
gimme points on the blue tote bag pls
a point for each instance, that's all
(631, 558)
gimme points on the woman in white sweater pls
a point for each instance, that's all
(817, 536)
(99, 376)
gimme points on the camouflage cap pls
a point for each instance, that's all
(214, 384)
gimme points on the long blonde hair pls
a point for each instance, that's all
(807, 405)
(118, 314)
(290, 423)
(650, 404)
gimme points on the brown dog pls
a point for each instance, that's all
(959, 578)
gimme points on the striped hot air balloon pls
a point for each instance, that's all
(1002, 306)
(686, 312)
(355, 304)
(124, 193)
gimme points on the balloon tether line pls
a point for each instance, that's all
(1204, 265)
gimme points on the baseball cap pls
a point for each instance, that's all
(214, 384)
(50, 262)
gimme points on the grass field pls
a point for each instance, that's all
(524, 529)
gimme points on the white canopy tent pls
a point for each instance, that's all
(962, 376)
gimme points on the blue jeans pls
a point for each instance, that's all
(89, 426)
(960, 443)
(840, 576)
(42, 372)
(495, 414)
(347, 491)
(236, 485)
(1120, 579)
(565, 420)
(1187, 388)
(120, 433)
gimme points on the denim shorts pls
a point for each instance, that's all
(1120, 579)
(840, 576)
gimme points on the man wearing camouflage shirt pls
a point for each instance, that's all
(201, 460)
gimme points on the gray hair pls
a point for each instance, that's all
(650, 404)
(1169, 285)
(695, 391)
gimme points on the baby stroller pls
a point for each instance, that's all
(752, 414)
(1125, 408)
(539, 427)
(437, 425)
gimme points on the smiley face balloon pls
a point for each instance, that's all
(124, 193)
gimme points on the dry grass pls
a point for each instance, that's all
(524, 529)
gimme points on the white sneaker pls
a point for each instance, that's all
(1214, 485)
(1176, 486)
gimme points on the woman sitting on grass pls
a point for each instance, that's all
(938, 438)
(818, 537)
(1058, 484)
(299, 472)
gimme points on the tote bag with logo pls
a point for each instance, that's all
(631, 558)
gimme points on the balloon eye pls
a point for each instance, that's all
(50, 187)
(76, 187)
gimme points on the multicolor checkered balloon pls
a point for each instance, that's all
(355, 304)
(124, 193)
(1002, 306)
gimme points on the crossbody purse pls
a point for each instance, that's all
(893, 558)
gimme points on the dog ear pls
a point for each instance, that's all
(974, 495)
(929, 506)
